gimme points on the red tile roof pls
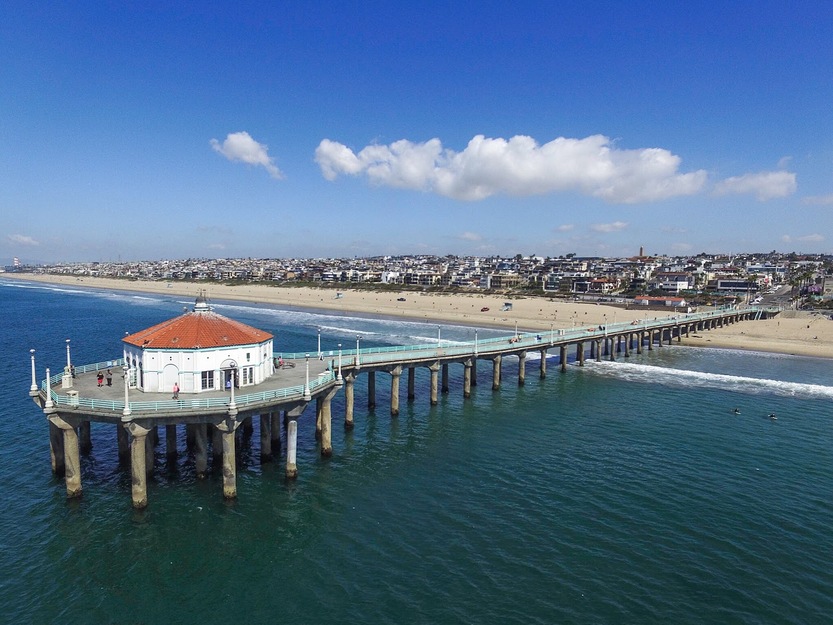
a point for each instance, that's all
(195, 330)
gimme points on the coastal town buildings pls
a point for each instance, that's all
(689, 276)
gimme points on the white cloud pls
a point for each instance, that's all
(518, 166)
(22, 239)
(565, 227)
(239, 146)
(764, 185)
(616, 226)
(470, 236)
(807, 238)
(818, 200)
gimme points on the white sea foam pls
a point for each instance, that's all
(683, 377)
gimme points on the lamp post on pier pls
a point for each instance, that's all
(339, 378)
(358, 358)
(69, 361)
(307, 394)
(49, 403)
(319, 343)
(233, 373)
(126, 412)
(34, 387)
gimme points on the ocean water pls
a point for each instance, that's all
(624, 492)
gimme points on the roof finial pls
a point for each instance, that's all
(201, 305)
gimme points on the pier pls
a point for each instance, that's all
(76, 396)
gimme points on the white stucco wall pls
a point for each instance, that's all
(155, 370)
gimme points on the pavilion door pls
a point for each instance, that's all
(170, 374)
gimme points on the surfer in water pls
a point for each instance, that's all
(736, 411)
(772, 416)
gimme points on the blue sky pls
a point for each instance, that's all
(267, 129)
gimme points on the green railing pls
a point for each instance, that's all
(208, 403)
(525, 339)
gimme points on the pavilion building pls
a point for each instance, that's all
(199, 350)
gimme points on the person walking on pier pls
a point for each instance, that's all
(100, 378)
(176, 391)
(109, 378)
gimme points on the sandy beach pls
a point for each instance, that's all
(789, 333)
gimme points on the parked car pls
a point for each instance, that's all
(484, 309)
(400, 299)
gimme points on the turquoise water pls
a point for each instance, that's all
(623, 492)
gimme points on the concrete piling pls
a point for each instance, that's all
(435, 372)
(395, 374)
(348, 401)
(521, 368)
(496, 362)
(291, 449)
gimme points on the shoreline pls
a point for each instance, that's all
(800, 335)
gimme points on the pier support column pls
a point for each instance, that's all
(613, 349)
(543, 367)
(170, 441)
(562, 357)
(265, 437)
(348, 401)
(138, 464)
(227, 428)
(85, 441)
(628, 341)
(640, 338)
(467, 379)
(371, 389)
(318, 408)
(291, 449)
(395, 374)
(72, 455)
(229, 466)
(521, 368)
(411, 383)
(435, 372)
(679, 334)
(72, 463)
(596, 349)
(326, 425)
(580, 353)
(56, 449)
(200, 449)
(444, 378)
(149, 451)
(496, 372)
(474, 371)
(650, 340)
(275, 431)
